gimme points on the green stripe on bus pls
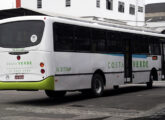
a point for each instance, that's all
(46, 84)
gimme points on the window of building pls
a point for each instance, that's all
(132, 9)
(140, 9)
(98, 3)
(109, 4)
(39, 3)
(68, 3)
(121, 7)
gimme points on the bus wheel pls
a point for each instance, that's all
(55, 94)
(150, 83)
(97, 85)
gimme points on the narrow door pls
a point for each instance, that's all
(128, 62)
(163, 60)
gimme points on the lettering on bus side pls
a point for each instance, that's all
(140, 64)
(112, 65)
(63, 69)
(135, 64)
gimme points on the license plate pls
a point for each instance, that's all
(19, 76)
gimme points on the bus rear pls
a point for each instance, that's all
(24, 59)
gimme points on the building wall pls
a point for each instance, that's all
(155, 16)
(7, 4)
(81, 8)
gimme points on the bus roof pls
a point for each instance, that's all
(89, 23)
(108, 26)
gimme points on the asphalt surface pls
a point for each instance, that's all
(133, 102)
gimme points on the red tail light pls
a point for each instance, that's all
(42, 71)
(42, 64)
(18, 57)
(154, 58)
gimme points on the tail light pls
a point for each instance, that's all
(42, 71)
(154, 58)
(42, 64)
(18, 57)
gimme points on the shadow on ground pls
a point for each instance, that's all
(69, 98)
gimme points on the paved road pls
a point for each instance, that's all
(133, 102)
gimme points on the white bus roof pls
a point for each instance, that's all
(87, 23)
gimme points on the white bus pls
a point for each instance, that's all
(59, 54)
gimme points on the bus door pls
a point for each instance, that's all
(163, 60)
(128, 62)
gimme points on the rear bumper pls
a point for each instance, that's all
(46, 84)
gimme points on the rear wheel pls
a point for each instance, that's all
(55, 94)
(97, 85)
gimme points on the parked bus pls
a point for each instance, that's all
(59, 54)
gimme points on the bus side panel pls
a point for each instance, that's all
(142, 68)
(141, 77)
(114, 70)
(73, 82)
(114, 79)
(75, 70)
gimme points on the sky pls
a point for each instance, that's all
(153, 1)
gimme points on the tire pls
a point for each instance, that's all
(55, 94)
(97, 85)
(150, 83)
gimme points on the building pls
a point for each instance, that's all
(126, 11)
(155, 15)
(9, 4)
(130, 12)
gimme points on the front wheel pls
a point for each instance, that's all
(55, 94)
(97, 85)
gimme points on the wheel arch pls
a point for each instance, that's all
(163, 31)
(154, 73)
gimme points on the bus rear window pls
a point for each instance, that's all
(21, 34)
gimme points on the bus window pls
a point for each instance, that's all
(115, 43)
(21, 34)
(98, 40)
(63, 37)
(140, 44)
(155, 46)
(82, 39)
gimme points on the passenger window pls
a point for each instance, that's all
(155, 46)
(98, 40)
(115, 42)
(63, 37)
(83, 38)
(140, 44)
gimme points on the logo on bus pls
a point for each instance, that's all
(135, 64)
